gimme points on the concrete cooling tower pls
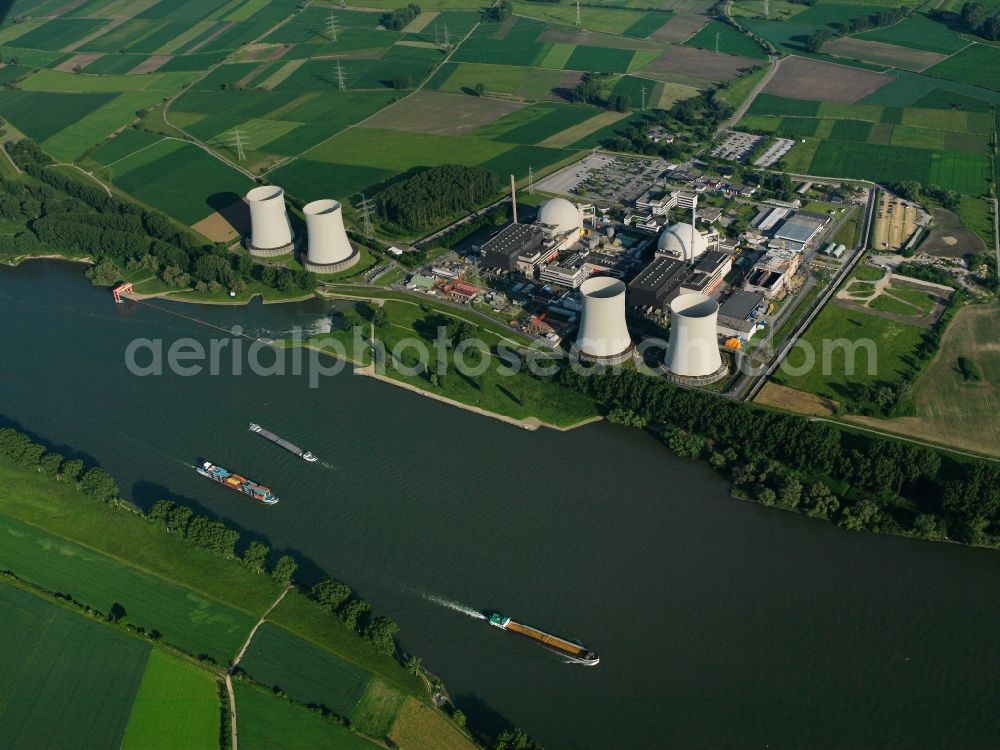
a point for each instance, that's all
(603, 335)
(329, 250)
(693, 349)
(270, 231)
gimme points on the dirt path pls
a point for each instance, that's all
(773, 62)
(236, 661)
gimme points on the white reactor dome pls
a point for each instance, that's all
(677, 240)
(561, 214)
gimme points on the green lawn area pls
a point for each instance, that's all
(867, 272)
(68, 681)
(177, 707)
(377, 709)
(267, 722)
(976, 215)
(191, 622)
(304, 671)
(882, 359)
(54, 80)
(923, 301)
(847, 235)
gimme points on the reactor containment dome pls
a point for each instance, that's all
(603, 335)
(562, 215)
(693, 350)
(328, 249)
(682, 241)
(270, 231)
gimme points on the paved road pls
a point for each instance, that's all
(773, 62)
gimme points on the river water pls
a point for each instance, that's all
(719, 624)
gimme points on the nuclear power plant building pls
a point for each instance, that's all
(328, 249)
(270, 231)
(603, 334)
(692, 354)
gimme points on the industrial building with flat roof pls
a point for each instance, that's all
(799, 230)
(513, 241)
(772, 271)
(741, 315)
(657, 283)
(708, 273)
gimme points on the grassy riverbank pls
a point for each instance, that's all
(108, 556)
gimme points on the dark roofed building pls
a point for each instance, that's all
(513, 240)
(657, 283)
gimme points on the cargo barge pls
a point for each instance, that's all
(572, 651)
(268, 435)
(233, 481)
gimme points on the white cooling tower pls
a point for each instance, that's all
(328, 243)
(693, 349)
(270, 231)
(603, 334)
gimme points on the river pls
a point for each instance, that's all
(719, 624)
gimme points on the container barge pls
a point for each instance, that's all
(572, 651)
(268, 435)
(233, 481)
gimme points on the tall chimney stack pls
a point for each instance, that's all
(513, 199)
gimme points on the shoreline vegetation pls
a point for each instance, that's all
(188, 584)
(859, 481)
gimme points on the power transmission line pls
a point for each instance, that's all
(643, 98)
(365, 209)
(341, 77)
(332, 26)
(437, 40)
(716, 42)
(531, 181)
(236, 141)
(767, 9)
(446, 45)
(579, 23)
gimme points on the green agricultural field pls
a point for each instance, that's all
(600, 59)
(731, 41)
(918, 32)
(40, 115)
(632, 87)
(113, 64)
(177, 706)
(304, 671)
(977, 65)
(517, 47)
(414, 62)
(306, 177)
(32, 57)
(647, 23)
(851, 130)
(54, 80)
(191, 622)
(870, 161)
(967, 173)
(768, 104)
(535, 123)
(892, 347)
(518, 159)
(93, 128)
(68, 681)
(59, 32)
(185, 183)
(397, 151)
(377, 709)
(976, 215)
(798, 127)
(267, 722)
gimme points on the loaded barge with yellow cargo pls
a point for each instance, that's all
(572, 651)
(236, 482)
